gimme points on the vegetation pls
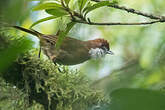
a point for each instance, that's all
(36, 81)
(132, 79)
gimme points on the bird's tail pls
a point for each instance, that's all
(30, 31)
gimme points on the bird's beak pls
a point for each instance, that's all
(110, 52)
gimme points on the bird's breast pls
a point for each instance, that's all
(72, 57)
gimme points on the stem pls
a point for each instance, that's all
(116, 23)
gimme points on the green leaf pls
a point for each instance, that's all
(56, 12)
(63, 34)
(47, 6)
(67, 2)
(81, 4)
(44, 19)
(97, 5)
(137, 99)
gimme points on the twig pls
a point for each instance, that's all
(131, 10)
(116, 23)
(79, 16)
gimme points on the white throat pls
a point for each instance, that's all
(97, 53)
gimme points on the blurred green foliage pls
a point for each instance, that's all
(12, 11)
(137, 99)
(11, 47)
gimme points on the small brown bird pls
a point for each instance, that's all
(71, 51)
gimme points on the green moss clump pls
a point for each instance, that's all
(53, 87)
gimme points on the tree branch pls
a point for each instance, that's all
(116, 23)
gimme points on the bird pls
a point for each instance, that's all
(72, 51)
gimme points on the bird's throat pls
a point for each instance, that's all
(97, 53)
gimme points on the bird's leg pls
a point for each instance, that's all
(39, 53)
(55, 63)
(59, 70)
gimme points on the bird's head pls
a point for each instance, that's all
(99, 48)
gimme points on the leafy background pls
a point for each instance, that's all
(138, 63)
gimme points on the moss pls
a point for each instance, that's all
(42, 85)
